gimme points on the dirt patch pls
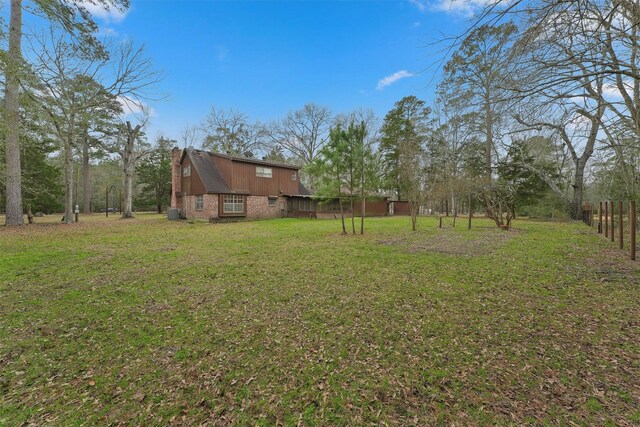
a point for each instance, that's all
(451, 242)
(612, 264)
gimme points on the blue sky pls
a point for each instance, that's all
(265, 58)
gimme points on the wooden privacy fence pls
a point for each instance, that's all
(609, 217)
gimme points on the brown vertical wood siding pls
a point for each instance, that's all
(400, 207)
(372, 208)
(186, 180)
(193, 183)
(244, 179)
(225, 166)
(240, 176)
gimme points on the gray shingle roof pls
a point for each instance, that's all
(210, 175)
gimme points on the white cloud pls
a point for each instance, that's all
(389, 80)
(611, 90)
(464, 8)
(420, 4)
(132, 107)
(417, 24)
(107, 32)
(107, 15)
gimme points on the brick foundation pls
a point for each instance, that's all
(209, 211)
(258, 207)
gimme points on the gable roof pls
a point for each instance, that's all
(213, 180)
(210, 175)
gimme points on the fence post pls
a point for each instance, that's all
(632, 228)
(606, 219)
(620, 226)
(613, 217)
(600, 219)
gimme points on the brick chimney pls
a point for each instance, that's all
(176, 176)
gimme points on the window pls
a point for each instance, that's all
(294, 176)
(233, 204)
(199, 203)
(263, 172)
(186, 170)
(273, 201)
(306, 205)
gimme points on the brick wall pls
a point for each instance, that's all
(176, 175)
(258, 207)
(210, 207)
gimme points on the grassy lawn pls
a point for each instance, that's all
(149, 322)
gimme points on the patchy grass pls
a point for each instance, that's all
(149, 322)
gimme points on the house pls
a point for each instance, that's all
(214, 186)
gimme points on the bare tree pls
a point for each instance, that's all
(563, 86)
(478, 73)
(73, 16)
(190, 135)
(132, 150)
(302, 133)
(73, 87)
(229, 131)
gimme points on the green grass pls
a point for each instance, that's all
(149, 322)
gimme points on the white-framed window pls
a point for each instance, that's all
(263, 172)
(186, 170)
(273, 201)
(199, 203)
(294, 176)
(232, 203)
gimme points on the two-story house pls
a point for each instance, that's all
(213, 186)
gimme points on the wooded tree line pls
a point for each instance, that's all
(69, 100)
(538, 110)
(551, 90)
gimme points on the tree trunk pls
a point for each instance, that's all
(159, 207)
(128, 160)
(86, 184)
(362, 213)
(489, 134)
(29, 214)
(578, 186)
(470, 212)
(353, 219)
(12, 118)
(344, 228)
(127, 210)
(413, 210)
(454, 206)
(68, 183)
